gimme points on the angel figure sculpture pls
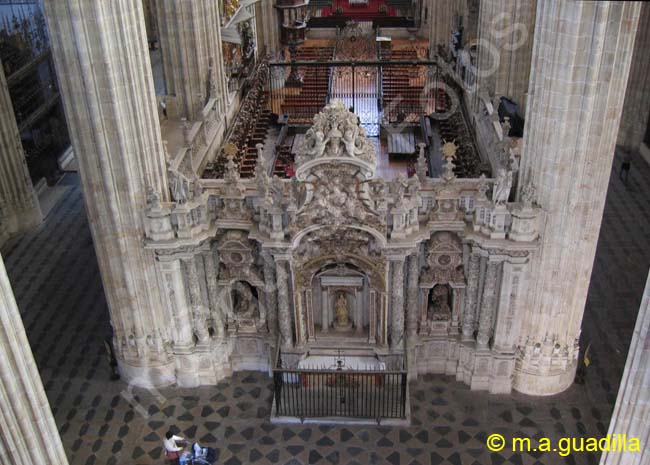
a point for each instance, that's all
(350, 141)
(502, 187)
(318, 144)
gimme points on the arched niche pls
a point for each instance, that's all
(442, 285)
(331, 260)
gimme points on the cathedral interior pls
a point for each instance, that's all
(324, 232)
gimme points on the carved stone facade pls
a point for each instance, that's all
(426, 268)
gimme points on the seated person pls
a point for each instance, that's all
(173, 445)
(203, 454)
(199, 452)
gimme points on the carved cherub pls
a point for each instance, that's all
(350, 141)
(334, 137)
(319, 142)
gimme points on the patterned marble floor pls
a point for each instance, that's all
(55, 278)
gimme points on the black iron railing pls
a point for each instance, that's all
(343, 393)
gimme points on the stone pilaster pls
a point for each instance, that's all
(506, 327)
(190, 41)
(271, 295)
(19, 208)
(211, 265)
(397, 306)
(284, 308)
(412, 298)
(581, 60)
(103, 67)
(471, 298)
(488, 305)
(29, 434)
(505, 44)
(631, 415)
(199, 312)
(176, 297)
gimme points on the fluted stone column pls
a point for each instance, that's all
(103, 67)
(397, 306)
(284, 309)
(506, 30)
(634, 120)
(151, 23)
(412, 298)
(270, 26)
(580, 65)
(632, 410)
(29, 434)
(19, 208)
(440, 21)
(471, 298)
(488, 305)
(190, 42)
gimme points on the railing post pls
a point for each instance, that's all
(404, 387)
(354, 91)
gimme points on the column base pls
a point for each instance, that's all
(544, 384)
(147, 376)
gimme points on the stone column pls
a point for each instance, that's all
(151, 23)
(271, 295)
(284, 308)
(19, 208)
(358, 301)
(505, 44)
(440, 21)
(397, 306)
(412, 298)
(634, 119)
(190, 41)
(471, 298)
(580, 65)
(103, 67)
(488, 305)
(29, 434)
(631, 414)
(325, 311)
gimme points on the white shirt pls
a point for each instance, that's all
(170, 444)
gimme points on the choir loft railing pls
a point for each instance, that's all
(379, 92)
(340, 392)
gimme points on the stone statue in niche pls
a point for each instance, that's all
(439, 307)
(245, 305)
(342, 316)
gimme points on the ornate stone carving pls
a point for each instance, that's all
(336, 134)
(469, 313)
(237, 259)
(336, 197)
(444, 258)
